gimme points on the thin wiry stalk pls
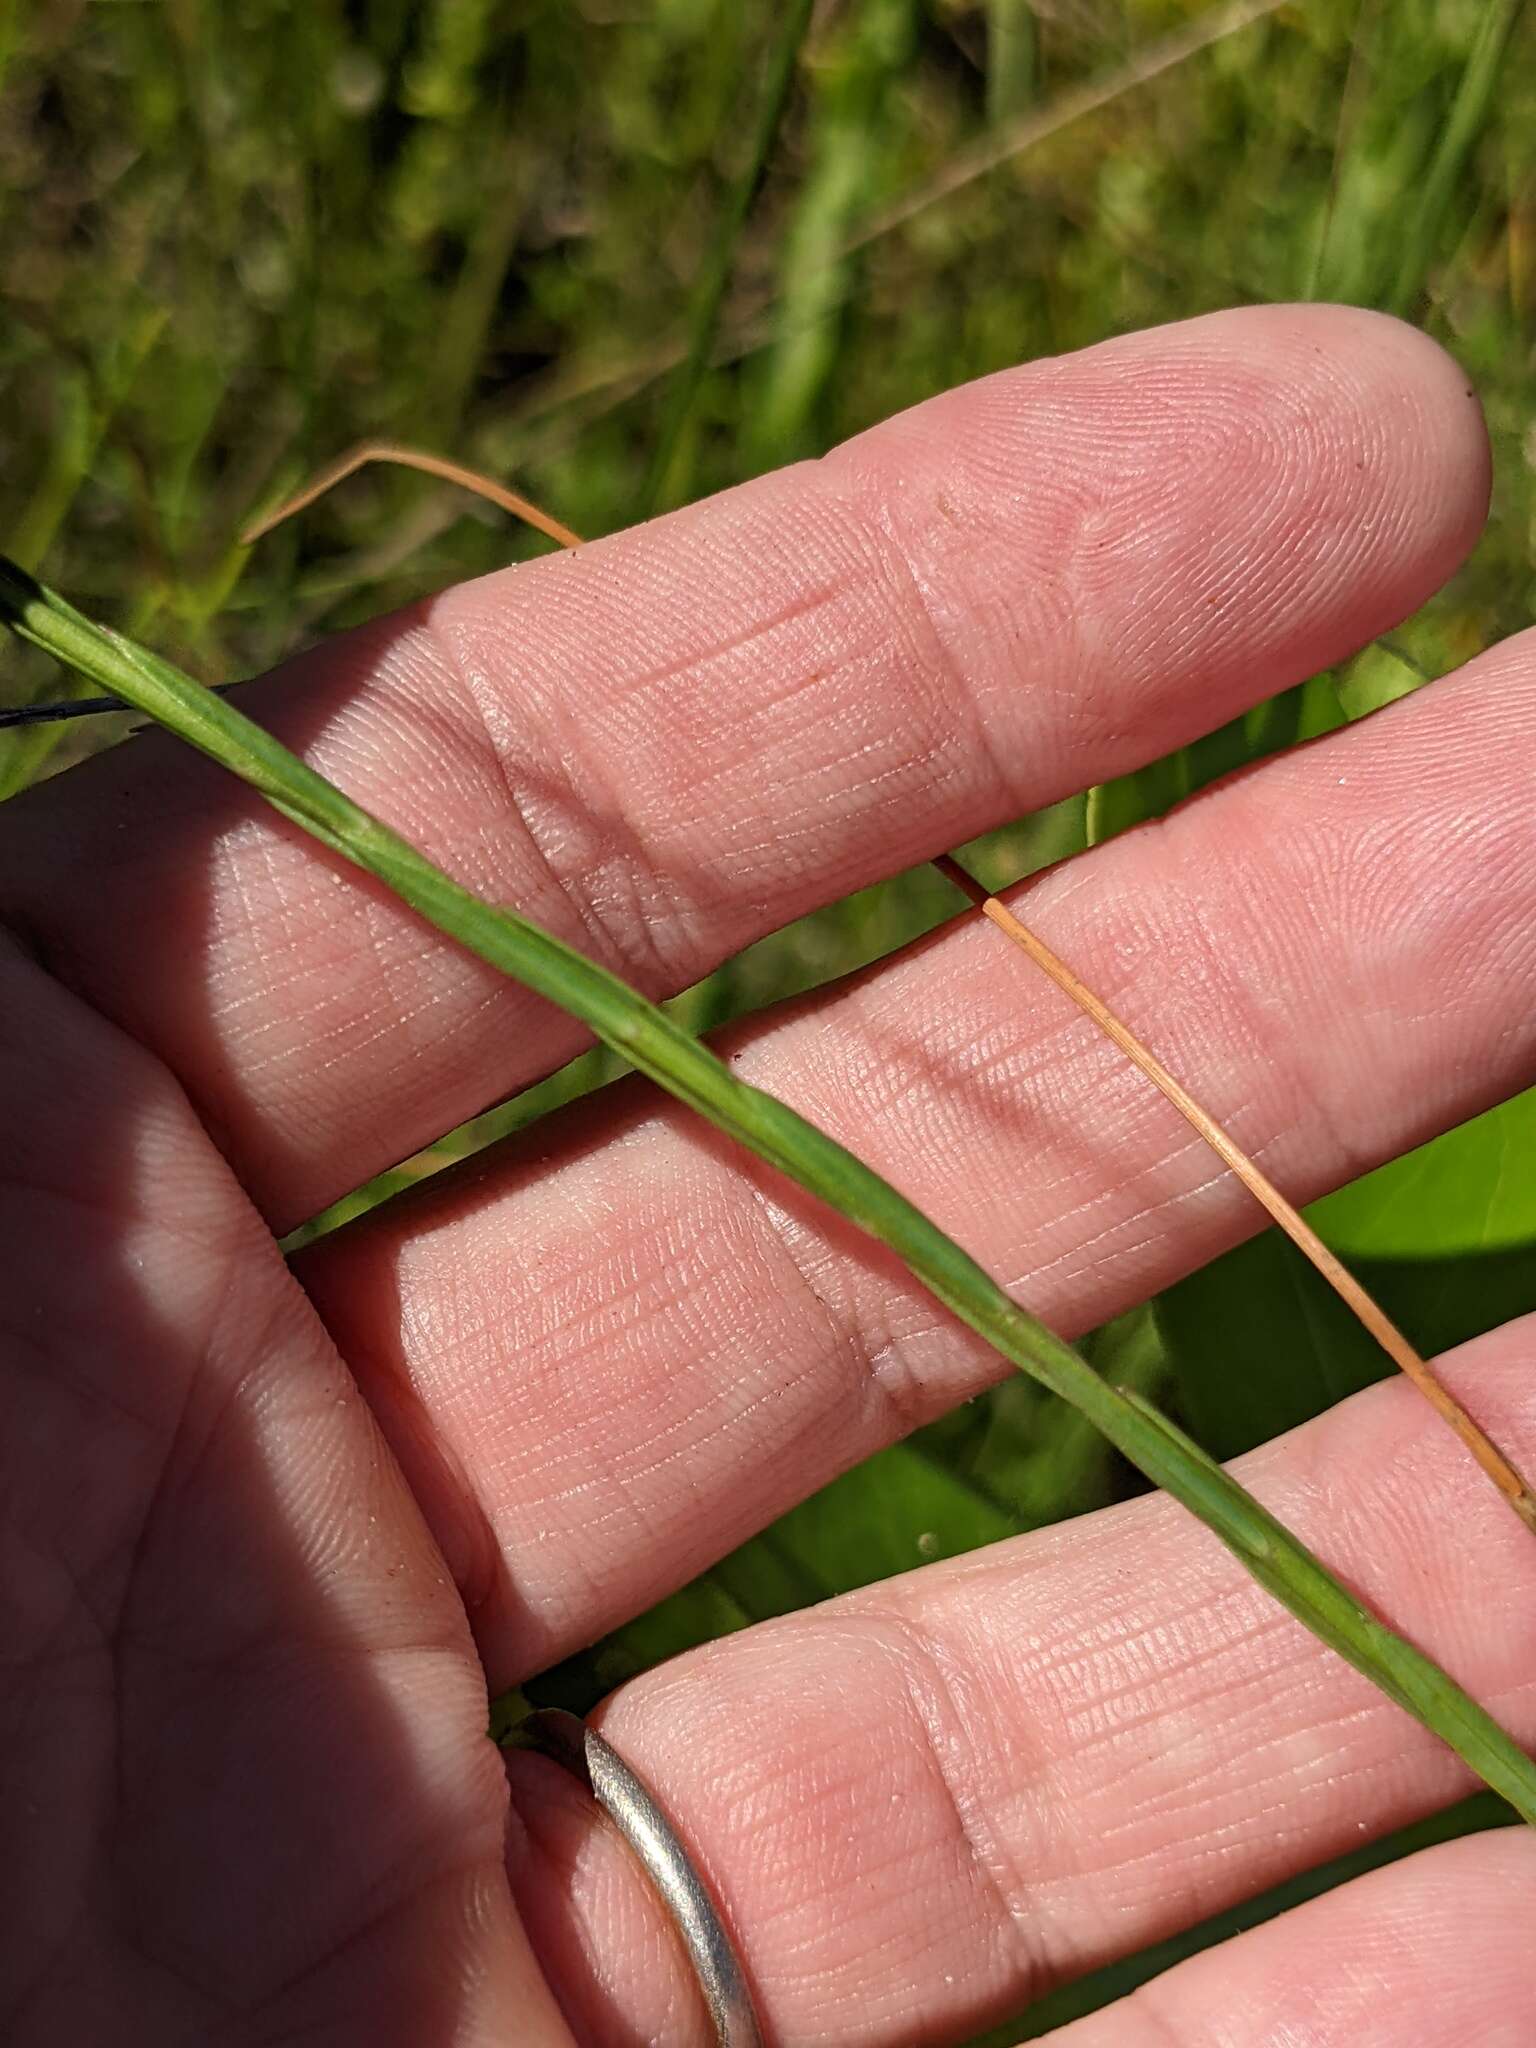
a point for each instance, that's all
(656, 1045)
(1484, 1450)
(411, 458)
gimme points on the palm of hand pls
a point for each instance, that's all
(254, 1594)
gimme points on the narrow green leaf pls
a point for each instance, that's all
(1458, 137)
(852, 132)
(1012, 59)
(661, 1048)
(709, 294)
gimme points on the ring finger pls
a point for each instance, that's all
(924, 1803)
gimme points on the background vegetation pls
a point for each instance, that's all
(237, 238)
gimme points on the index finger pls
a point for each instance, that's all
(683, 737)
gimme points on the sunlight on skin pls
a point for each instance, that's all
(922, 1803)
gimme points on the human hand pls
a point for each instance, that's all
(254, 1593)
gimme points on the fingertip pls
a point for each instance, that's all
(1424, 405)
(1180, 521)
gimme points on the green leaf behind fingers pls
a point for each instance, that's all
(1444, 1238)
(1469, 1191)
(653, 1042)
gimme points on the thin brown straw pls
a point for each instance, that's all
(412, 458)
(1493, 1461)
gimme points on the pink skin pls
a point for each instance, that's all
(252, 1593)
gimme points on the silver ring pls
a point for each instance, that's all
(633, 1809)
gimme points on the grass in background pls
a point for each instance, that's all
(237, 239)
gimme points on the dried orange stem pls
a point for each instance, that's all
(412, 458)
(1487, 1453)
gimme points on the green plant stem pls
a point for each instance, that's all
(1467, 117)
(851, 132)
(1011, 44)
(659, 1047)
(709, 293)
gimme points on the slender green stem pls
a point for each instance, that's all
(1467, 117)
(852, 133)
(652, 1042)
(709, 293)
(1012, 36)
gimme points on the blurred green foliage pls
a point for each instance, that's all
(238, 238)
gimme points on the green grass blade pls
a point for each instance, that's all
(659, 1047)
(1012, 45)
(1465, 122)
(853, 131)
(709, 294)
